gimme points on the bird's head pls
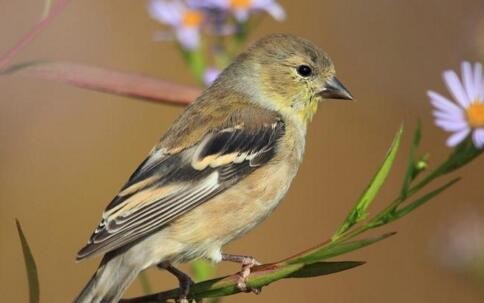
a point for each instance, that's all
(289, 74)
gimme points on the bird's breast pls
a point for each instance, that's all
(206, 228)
(242, 206)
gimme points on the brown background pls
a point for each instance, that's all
(64, 152)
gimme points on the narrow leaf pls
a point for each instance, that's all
(419, 202)
(109, 81)
(323, 268)
(359, 211)
(326, 251)
(409, 175)
(463, 154)
(263, 275)
(30, 266)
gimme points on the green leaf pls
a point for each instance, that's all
(463, 154)
(410, 174)
(419, 202)
(30, 266)
(360, 210)
(224, 286)
(323, 268)
(326, 251)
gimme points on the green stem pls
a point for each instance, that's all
(145, 283)
(196, 62)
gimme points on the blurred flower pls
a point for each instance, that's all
(466, 115)
(460, 245)
(241, 9)
(185, 20)
(210, 75)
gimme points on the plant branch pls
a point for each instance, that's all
(261, 276)
(342, 242)
(109, 81)
(7, 57)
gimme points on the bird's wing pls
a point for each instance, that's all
(167, 185)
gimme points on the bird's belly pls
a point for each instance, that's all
(205, 229)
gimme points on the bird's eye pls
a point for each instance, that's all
(304, 70)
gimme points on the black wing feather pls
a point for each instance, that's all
(120, 227)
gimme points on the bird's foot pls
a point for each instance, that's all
(184, 280)
(247, 264)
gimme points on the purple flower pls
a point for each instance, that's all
(241, 9)
(185, 21)
(465, 116)
(210, 75)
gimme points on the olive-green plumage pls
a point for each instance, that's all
(222, 167)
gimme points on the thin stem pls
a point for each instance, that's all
(7, 57)
(145, 283)
(110, 81)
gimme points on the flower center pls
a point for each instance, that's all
(192, 18)
(240, 4)
(475, 114)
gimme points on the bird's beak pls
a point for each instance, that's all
(334, 89)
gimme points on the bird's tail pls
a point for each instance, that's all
(109, 282)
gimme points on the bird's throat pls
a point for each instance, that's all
(307, 111)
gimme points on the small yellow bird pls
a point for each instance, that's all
(221, 169)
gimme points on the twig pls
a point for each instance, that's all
(261, 275)
(7, 57)
(110, 81)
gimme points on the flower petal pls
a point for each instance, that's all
(455, 88)
(448, 116)
(276, 11)
(457, 137)
(210, 75)
(271, 7)
(478, 80)
(478, 137)
(189, 37)
(242, 14)
(443, 103)
(468, 81)
(451, 126)
(209, 4)
(167, 12)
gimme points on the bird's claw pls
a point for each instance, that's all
(247, 264)
(242, 286)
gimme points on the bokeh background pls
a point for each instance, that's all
(64, 152)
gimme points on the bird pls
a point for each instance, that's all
(220, 169)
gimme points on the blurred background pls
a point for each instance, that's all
(65, 152)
